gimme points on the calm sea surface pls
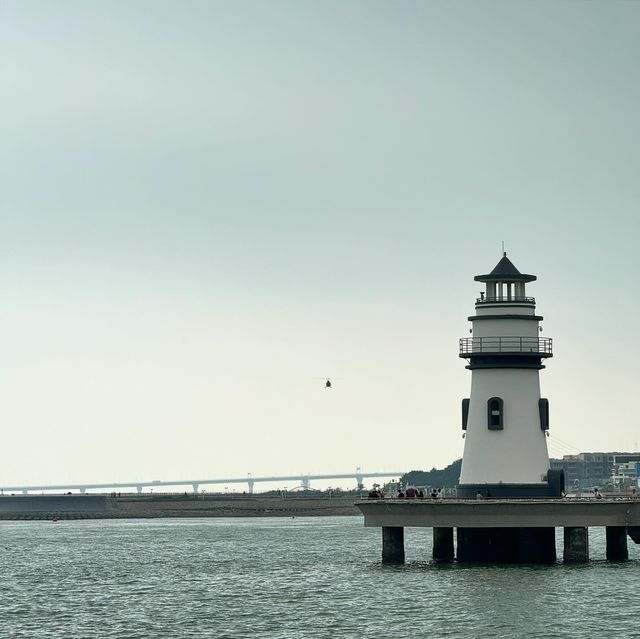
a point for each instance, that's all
(298, 578)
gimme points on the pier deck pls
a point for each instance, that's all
(505, 530)
(503, 513)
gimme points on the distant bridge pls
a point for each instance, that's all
(305, 482)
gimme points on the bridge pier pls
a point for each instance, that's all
(83, 491)
(251, 484)
(195, 488)
(306, 483)
(139, 489)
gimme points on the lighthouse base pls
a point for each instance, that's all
(506, 545)
(553, 487)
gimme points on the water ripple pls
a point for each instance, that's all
(316, 578)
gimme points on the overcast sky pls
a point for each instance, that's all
(207, 207)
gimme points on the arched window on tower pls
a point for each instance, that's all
(495, 413)
(465, 413)
(543, 407)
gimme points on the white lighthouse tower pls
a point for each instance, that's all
(505, 420)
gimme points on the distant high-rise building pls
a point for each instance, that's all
(591, 469)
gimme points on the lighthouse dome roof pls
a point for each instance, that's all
(505, 271)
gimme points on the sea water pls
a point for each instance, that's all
(315, 577)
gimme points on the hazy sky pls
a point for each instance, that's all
(206, 207)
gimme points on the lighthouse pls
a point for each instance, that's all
(505, 463)
(505, 420)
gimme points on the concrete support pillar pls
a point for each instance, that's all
(393, 544)
(195, 488)
(507, 545)
(537, 545)
(576, 544)
(139, 489)
(634, 533)
(617, 543)
(251, 484)
(443, 544)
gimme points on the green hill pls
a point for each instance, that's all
(436, 478)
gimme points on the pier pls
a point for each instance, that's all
(510, 530)
(509, 499)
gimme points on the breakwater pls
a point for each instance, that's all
(33, 507)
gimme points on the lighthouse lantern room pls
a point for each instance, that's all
(505, 419)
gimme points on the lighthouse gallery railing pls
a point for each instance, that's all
(506, 299)
(476, 345)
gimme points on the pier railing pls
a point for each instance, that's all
(510, 345)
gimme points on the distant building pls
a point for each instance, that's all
(626, 470)
(592, 469)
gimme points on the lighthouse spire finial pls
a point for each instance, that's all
(504, 253)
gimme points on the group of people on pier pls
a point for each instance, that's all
(410, 492)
